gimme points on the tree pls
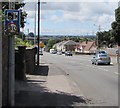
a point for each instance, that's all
(76, 39)
(51, 42)
(116, 26)
(106, 38)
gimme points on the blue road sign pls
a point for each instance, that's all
(12, 21)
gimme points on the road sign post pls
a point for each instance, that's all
(12, 27)
(12, 22)
(41, 45)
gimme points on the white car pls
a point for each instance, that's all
(101, 59)
(59, 53)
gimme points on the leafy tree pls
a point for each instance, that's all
(51, 42)
(76, 39)
(116, 26)
(85, 39)
(19, 41)
(105, 38)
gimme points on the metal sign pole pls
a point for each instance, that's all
(11, 64)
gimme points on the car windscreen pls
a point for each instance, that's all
(103, 56)
(102, 52)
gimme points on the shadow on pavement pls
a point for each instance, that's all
(35, 94)
(41, 70)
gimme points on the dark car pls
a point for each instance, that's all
(68, 53)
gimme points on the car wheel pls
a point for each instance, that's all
(108, 63)
(92, 62)
(97, 63)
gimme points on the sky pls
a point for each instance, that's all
(77, 17)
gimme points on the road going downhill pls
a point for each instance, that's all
(97, 83)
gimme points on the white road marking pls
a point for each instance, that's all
(88, 65)
(81, 63)
(116, 73)
(105, 70)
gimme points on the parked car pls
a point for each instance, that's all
(54, 52)
(68, 53)
(59, 53)
(101, 59)
(40, 52)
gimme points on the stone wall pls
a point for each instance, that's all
(24, 62)
(30, 60)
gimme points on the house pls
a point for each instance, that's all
(86, 47)
(65, 46)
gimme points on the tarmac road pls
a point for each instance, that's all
(97, 83)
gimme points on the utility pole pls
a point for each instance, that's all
(99, 29)
(0, 57)
(11, 61)
(35, 27)
(38, 32)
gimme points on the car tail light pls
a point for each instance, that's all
(100, 58)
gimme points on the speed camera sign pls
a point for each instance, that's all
(12, 27)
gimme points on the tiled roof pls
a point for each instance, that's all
(86, 45)
(70, 42)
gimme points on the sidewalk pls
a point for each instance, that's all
(48, 87)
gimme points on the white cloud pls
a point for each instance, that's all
(81, 11)
(31, 14)
(67, 31)
(94, 12)
(104, 18)
(71, 0)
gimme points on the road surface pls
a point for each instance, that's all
(97, 83)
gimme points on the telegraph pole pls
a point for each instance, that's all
(38, 32)
(99, 29)
(35, 26)
(1, 57)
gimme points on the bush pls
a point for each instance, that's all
(19, 41)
